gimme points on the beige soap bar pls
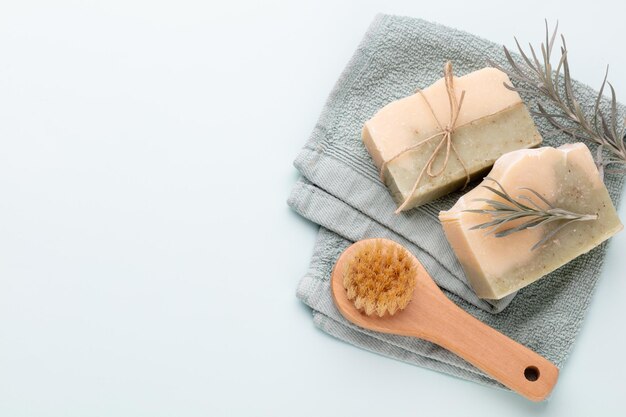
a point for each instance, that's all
(568, 178)
(492, 121)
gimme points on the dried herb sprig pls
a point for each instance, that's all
(504, 212)
(542, 80)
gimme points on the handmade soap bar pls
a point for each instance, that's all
(492, 121)
(568, 179)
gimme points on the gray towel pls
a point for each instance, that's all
(341, 192)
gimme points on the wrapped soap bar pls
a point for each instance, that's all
(432, 142)
(566, 179)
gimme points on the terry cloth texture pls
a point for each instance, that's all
(340, 190)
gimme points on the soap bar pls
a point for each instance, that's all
(492, 121)
(566, 177)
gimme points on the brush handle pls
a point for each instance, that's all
(505, 360)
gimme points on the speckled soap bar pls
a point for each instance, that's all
(567, 178)
(492, 121)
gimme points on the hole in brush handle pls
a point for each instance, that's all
(531, 373)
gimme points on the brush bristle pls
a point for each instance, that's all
(380, 278)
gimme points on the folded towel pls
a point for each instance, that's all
(341, 192)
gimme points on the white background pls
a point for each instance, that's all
(148, 261)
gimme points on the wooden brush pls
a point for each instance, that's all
(379, 285)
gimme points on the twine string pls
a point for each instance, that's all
(445, 132)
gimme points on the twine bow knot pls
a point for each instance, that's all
(444, 143)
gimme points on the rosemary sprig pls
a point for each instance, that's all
(534, 215)
(542, 80)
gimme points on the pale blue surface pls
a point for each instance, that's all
(135, 279)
